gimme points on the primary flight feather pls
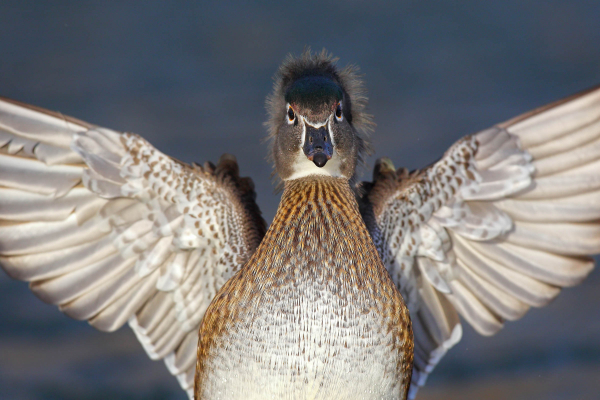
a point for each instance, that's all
(355, 290)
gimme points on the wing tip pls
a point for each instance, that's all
(539, 110)
(45, 111)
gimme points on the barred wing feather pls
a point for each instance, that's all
(501, 223)
(113, 231)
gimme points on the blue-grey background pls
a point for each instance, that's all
(192, 77)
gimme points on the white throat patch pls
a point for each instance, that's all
(302, 166)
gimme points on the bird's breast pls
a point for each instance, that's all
(313, 315)
(312, 340)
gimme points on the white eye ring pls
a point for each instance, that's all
(291, 115)
(339, 115)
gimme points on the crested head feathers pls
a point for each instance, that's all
(296, 79)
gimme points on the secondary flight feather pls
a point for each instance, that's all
(113, 231)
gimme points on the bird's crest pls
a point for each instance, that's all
(298, 73)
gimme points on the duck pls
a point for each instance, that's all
(356, 290)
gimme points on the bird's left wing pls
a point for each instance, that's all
(112, 231)
(505, 219)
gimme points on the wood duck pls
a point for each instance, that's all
(354, 290)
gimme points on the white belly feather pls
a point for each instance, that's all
(311, 342)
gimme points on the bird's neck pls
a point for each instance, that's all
(318, 225)
(318, 198)
(319, 206)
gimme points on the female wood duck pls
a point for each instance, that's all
(323, 305)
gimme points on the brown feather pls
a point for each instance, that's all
(316, 215)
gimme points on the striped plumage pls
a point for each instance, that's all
(505, 219)
(312, 301)
(112, 231)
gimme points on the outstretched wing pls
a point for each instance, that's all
(501, 223)
(112, 231)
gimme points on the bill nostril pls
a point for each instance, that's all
(317, 145)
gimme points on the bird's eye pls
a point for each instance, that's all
(291, 115)
(338, 112)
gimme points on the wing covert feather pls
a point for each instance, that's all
(113, 231)
(505, 219)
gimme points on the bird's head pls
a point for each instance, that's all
(317, 123)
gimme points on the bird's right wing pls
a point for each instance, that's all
(112, 231)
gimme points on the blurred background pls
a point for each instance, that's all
(191, 77)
